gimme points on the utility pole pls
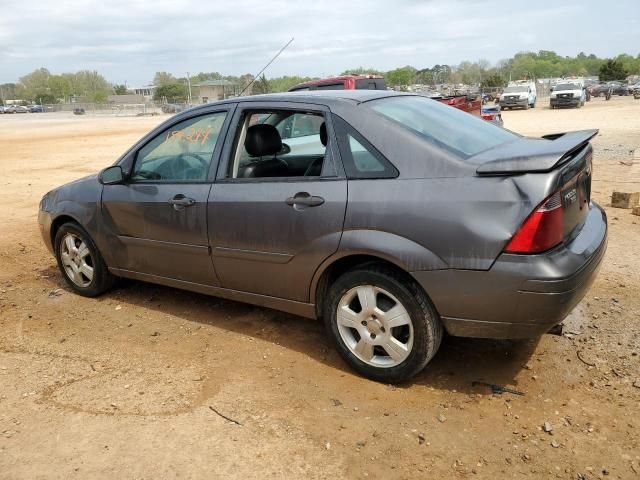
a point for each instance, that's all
(189, 83)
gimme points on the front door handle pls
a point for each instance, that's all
(304, 199)
(179, 202)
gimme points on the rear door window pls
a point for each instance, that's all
(360, 158)
(330, 86)
(371, 84)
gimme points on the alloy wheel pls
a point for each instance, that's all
(375, 326)
(77, 260)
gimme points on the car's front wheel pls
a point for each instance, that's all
(80, 261)
(382, 323)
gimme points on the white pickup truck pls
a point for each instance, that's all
(568, 94)
(519, 94)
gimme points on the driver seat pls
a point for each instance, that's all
(261, 140)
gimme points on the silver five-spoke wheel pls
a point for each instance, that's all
(375, 326)
(76, 260)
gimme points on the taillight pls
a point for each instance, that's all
(488, 116)
(542, 230)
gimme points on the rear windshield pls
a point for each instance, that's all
(370, 84)
(461, 132)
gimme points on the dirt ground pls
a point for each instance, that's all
(125, 386)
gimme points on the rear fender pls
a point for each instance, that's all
(402, 252)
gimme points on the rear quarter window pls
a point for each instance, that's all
(451, 128)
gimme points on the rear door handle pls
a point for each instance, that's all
(179, 202)
(304, 199)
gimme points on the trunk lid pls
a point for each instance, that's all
(531, 154)
(566, 159)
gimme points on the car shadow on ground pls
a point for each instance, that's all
(458, 363)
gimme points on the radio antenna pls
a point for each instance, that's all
(266, 66)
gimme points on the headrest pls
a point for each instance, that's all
(323, 134)
(262, 139)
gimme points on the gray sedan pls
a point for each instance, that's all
(391, 217)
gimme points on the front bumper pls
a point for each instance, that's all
(520, 102)
(521, 296)
(44, 224)
(565, 101)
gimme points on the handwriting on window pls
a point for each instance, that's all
(191, 135)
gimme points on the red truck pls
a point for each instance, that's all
(343, 82)
(468, 103)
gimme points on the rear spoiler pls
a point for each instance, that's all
(531, 154)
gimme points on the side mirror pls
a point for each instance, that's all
(111, 175)
(551, 89)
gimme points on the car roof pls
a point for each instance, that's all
(320, 97)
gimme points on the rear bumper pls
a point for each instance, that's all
(521, 295)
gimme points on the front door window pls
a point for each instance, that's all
(182, 153)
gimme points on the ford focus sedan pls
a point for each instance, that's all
(391, 217)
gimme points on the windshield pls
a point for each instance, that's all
(464, 134)
(516, 89)
(568, 86)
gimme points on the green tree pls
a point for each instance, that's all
(612, 70)
(400, 76)
(91, 85)
(60, 87)
(163, 78)
(282, 84)
(45, 98)
(8, 91)
(173, 93)
(120, 89)
(493, 80)
(261, 85)
(203, 76)
(362, 71)
(35, 83)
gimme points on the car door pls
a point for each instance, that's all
(157, 218)
(269, 235)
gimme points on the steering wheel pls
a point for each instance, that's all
(203, 161)
(180, 166)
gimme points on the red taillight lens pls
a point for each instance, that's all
(488, 116)
(542, 230)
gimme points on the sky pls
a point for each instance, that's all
(129, 40)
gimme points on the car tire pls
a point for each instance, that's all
(362, 338)
(526, 107)
(80, 262)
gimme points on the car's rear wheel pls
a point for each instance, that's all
(80, 262)
(382, 324)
